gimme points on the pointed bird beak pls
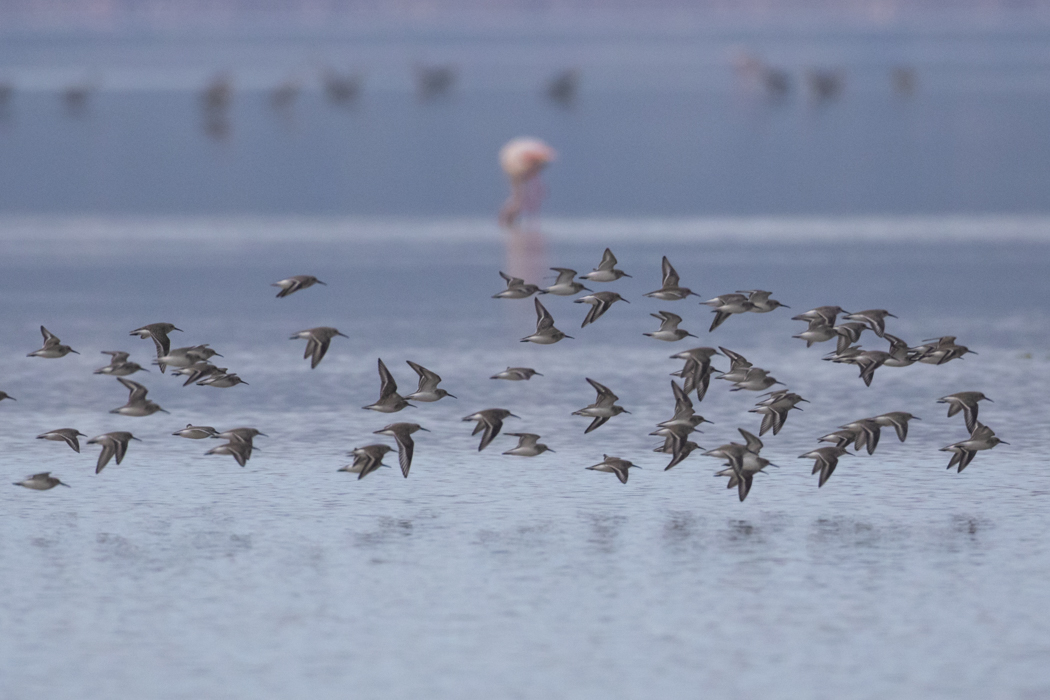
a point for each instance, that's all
(177, 329)
(342, 334)
(624, 300)
(456, 397)
(422, 428)
(218, 355)
(570, 337)
(1003, 442)
(264, 435)
(513, 416)
(320, 282)
(988, 399)
(74, 351)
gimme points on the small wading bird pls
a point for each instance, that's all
(603, 407)
(606, 270)
(52, 348)
(389, 400)
(402, 434)
(491, 421)
(40, 482)
(614, 465)
(366, 460)
(317, 342)
(66, 435)
(294, 284)
(546, 333)
(113, 444)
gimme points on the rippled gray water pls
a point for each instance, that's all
(175, 575)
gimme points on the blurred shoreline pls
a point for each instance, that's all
(42, 232)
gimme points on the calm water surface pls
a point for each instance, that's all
(176, 575)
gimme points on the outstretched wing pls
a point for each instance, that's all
(544, 320)
(108, 450)
(511, 281)
(316, 349)
(670, 275)
(387, 385)
(492, 427)
(119, 357)
(565, 275)
(670, 321)
(608, 261)
(605, 396)
(136, 392)
(753, 443)
(405, 447)
(428, 380)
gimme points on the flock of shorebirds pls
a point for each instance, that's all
(741, 460)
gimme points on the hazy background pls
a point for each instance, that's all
(102, 107)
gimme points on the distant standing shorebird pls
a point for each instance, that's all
(294, 284)
(516, 288)
(366, 460)
(402, 434)
(522, 160)
(528, 445)
(428, 390)
(491, 421)
(965, 401)
(603, 407)
(66, 435)
(600, 303)
(516, 374)
(53, 347)
(614, 465)
(118, 365)
(670, 291)
(606, 270)
(317, 342)
(137, 405)
(566, 284)
(113, 445)
(389, 400)
(669, 329)
(40, 482)
(546, 333)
